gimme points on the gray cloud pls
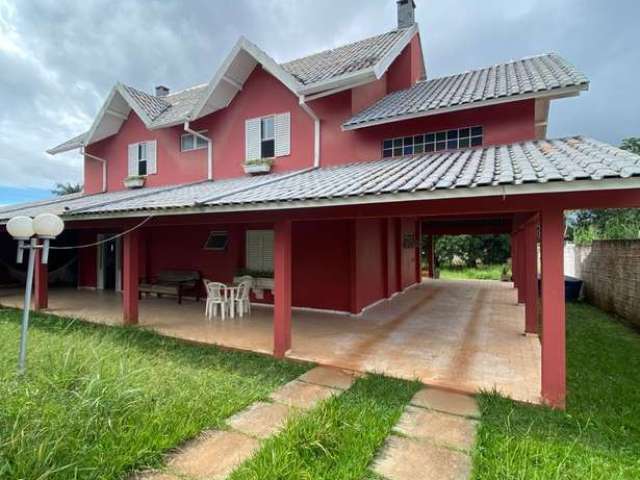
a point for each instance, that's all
(58, 59)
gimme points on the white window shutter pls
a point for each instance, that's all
(252, 139)
(267, 250)
(282, 130)
(259, 250)
(152, 164)
(133, 160)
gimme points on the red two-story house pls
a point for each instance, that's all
(328, 170)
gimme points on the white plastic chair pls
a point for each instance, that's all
(216, 297)
(242, 300)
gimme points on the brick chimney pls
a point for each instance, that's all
(406, 13)
(162, 91)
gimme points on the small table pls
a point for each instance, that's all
(230, 295)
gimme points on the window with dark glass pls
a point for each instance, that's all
(217, 241)
(433, 142)
(142, 158)
(267, 137)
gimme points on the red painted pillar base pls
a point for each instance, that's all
(531, 280)
(553, 309)
(41, 283)
(282, 287)
(130, 278)
(431, 257)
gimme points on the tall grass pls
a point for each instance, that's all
(100, 401)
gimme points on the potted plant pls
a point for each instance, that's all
(263, 280)
(134, 181)
(262, 165)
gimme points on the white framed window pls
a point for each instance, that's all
(142, 159)
(268, 136)
(453, 139)
(259, 250)
(189, 141)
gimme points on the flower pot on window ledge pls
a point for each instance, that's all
(258, 166)
(134, 182)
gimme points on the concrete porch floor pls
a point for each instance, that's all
(463, 335)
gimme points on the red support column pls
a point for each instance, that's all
(130, 278)
(514, 257)
(41, 283)
(282, 293)
(553, 309)
(522, 249)
(418, 251)
(431, 257)
(531, 280)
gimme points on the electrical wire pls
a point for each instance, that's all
(106, 240)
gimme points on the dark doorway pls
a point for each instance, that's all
(110, 270)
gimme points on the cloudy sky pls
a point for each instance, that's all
(59, 58)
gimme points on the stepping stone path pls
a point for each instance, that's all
(216, 453)
(432, 439)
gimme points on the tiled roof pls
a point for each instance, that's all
(542, 73)
(181, 103)
(151, 105)
(342, 60)
(534, 162)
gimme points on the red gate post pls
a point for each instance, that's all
(522, 251)
(130, 278)
(514, 256)
(531, 280)
(553, 309)
(431, 257)
(41, 283)
(282, 288)
(418, 248)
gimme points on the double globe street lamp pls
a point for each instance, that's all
(28, 232)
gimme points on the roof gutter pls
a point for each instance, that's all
(316, 130)
(209, 148)
(84, 153)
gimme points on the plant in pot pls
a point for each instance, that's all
(262, 165)
(134, 181)
(263, 280)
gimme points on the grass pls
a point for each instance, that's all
(100, 401)
(338, 439)
(485, 272)
(599, 434)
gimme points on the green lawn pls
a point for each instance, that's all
(100, 401)
(598, 437)
(486, 272)
(336, 441)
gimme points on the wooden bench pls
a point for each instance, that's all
(174, 282)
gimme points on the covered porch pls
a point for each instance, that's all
(463, 335)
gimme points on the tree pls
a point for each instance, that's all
(66, 188)
(632, 144)
(608, 224)
(489, 249)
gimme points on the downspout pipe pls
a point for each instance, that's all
(209, 147)
(84, 153)
(316, 130)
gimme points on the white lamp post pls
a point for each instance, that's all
(45, 226)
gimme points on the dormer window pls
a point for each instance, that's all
(142, 159)
(268, 137)
(189, 142)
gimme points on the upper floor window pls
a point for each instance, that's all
(142, 159)
(268, 137)
(433, 142)
(189, 142)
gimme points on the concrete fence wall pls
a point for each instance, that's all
(611, 273)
